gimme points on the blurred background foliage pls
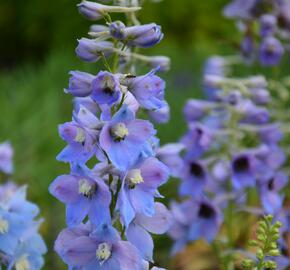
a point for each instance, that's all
(36, 54)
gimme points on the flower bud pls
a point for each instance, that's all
(71, 133)
(95, 11)
(143, 36)
(89, 50)
(268, 23)
(80, 84)
(117, 30)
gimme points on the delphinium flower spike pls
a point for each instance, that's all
(21, 246)
(232, 149)
(110, 205)
(265, 27)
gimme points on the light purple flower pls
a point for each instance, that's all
(139, 187)
(194, 178)
(271, 199)
(80, 84)
(143, 36)
(268, 24)
(270, 134)
(240, 9)
(271, 51)
(90, 50)
(124, 137)
(198, 139)
(248, 48)
(6, 155)
(215, 65)
(106, 88)
(244, 167)
(138, 231)
(169, 154)
(148, 90)
(197, 109)
(160, 116)
(86, 102)
(83, 196)
(100, 249)
(95, 11)
(206, 221)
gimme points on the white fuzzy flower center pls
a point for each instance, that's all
(103, 252)
(22, 263)
(119, 131)
(86, 188)
(134, 177)
(81, 136)
(4, 226)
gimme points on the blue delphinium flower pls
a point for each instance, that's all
(115, 172)
(138, 231)
(148, 90)
(262, 23)
(143, 36)
(21, 246)
(123, 138)
(83, 196)
(139, 188)
(95, 11)
(100, 248)
(80, 84)
(271, 51)
(106, 88)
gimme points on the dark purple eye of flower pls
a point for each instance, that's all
(270, 50)
(241, 164)
(206, 211)
(86, 188)
(196, 169)
(199, 131)
(271, 184)
(119, 132)
(108, 91)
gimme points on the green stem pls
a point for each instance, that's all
(121, 102)
(115, 197)
(105, 62)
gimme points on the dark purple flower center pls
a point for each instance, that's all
(271, 184)
(108, 90)
(241, 164)
(206, 211)
(196, 169)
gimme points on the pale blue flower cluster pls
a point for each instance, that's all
(21, 246)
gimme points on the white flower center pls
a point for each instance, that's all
(103, 252)
(134, 177)
(81, 136)
(22, 263)
(86, 188)
(119, 131)
(4, 226)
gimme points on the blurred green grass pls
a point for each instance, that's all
(33, 103)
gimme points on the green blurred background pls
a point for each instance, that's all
(36, 54)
